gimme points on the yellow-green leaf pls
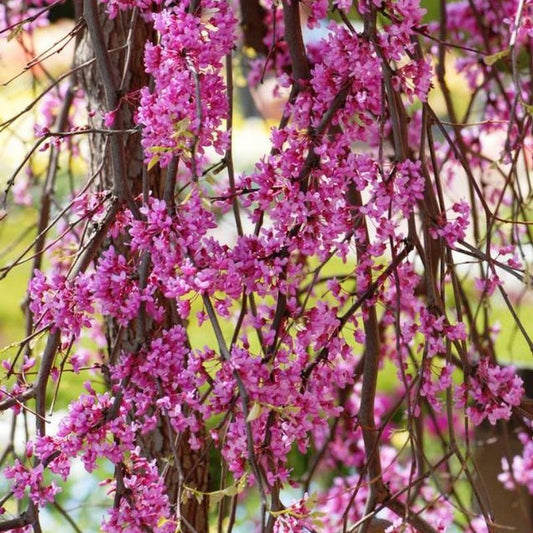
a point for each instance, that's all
(528, 107)
(255, 412)
(15, 32)
(153, 162)
(210, 179)
(493, 58)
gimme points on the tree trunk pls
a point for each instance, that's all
(162, 444)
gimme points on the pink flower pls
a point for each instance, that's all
(494, 391)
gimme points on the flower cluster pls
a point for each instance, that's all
(520, 471)
(493, 390)
(144, 504)
(25, 477)
(187, 60)
(60, 303)
(453, 230)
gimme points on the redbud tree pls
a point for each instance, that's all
(303, 345)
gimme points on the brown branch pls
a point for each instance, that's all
(14, 523)
(293, 36)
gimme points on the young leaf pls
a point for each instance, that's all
(493, 58)
(255, 412)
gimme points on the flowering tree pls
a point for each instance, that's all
(233, 375)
